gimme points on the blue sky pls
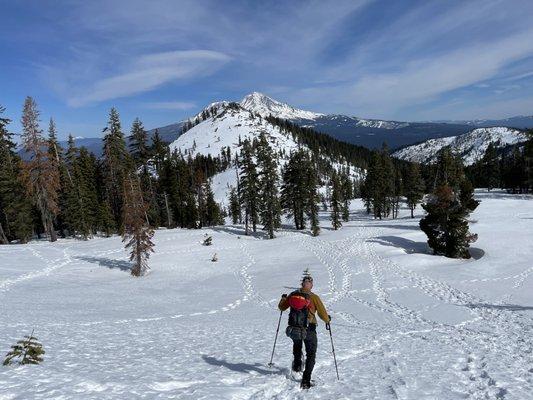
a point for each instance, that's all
(164, 60)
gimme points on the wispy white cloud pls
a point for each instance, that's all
(327, 56)
(150, 72)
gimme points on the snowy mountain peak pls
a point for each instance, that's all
(264, 106)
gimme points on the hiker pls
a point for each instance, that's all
(302, 325)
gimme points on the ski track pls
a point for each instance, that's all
(52, 266)
(341, 255)
(508, 344)
(489, 364)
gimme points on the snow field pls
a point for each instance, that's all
(406, 324)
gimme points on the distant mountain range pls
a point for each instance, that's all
(371, 133)
(470, 146)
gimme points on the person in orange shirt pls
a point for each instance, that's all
(302, 325)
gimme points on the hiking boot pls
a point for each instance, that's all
(305, 384)
(296, 366)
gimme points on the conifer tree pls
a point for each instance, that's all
(490, 165)
(137, 233)
(448, 208)
(81, 197)
(15, 209)
(528, 160)
(158, 152)
(249, 186)
(55, 152)
(374, 187)
(138, 144)
(141, 154)
(294, 188)
(397, 194)
(388, 180)
(414, 187)
(347, 194)
(40, 173)
(449, 169)
(116, 165)
(106, 222)
(268, 186)
(313, 199)
(234, 206)
(213, 212)
(26, 351)
(336, 201)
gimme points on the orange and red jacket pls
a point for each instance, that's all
(315, 305)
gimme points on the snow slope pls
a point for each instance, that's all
(471, 146)
(406, 324)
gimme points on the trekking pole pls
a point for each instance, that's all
(328, 327)
(270, 364)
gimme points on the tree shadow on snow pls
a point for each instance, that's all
(107, 262)
(243, 367)
(409, 246)
(238, 230)
(509, 307)
(392, 226)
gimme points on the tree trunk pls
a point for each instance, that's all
(3, 238)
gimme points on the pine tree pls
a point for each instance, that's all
(57, 157)
(414, 187)
(448, 208)
(40, 173)
(234, 206)
(294, 188)
(398, 191)
(138, 144)
(158, 151)
(106, 222)
(116, 165)
(336, 201)
(347, 194)
(27, 351)
(374, 187)
(249, 187)
(213, 212)
(491, 168)
(15, 209)
(137, 233)
(528, 156)
(85, 174)
(313, 199)
(268, 187)
(80, 195)
(449, 169)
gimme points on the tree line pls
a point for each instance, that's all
(510, 168)
(269, 187)
(131, 190)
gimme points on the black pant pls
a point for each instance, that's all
(311, 343)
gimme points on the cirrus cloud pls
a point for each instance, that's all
(151, 71)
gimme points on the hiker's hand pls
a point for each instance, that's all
(284, 295)
(329, 316)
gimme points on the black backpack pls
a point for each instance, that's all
(298, 315)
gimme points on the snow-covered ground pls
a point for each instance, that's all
(406, 324)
